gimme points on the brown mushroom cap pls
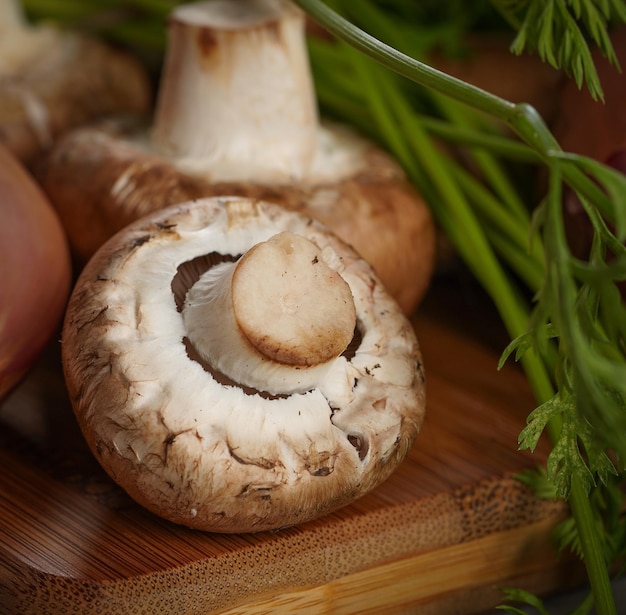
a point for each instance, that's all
(53, 80)
(187, 441)
(104, 177)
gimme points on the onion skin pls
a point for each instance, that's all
(36, 271)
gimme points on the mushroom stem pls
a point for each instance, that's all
(21, 43)
(11, 16)
(277, 319)
(236, 97)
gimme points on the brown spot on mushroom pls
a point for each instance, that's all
(360, 445)
(380, 405)
(320, 463)
(274, 31)
(207, 43)
(265, 464)
(420, 371)
(370, 370)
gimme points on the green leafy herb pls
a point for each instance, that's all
(525, 598)
(575, 450)
(558, 30)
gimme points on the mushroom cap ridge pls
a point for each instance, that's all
(215, 456)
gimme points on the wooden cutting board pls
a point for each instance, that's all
(442, 535)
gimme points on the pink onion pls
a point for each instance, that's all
(36, 271)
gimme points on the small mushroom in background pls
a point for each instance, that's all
(52, 80)
(236, 114)
(235, 367)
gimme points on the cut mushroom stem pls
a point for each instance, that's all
(237, 96)
(275, 320)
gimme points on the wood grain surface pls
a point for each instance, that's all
(449, 528)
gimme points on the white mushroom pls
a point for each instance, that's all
(52, 80)
(236, 367)
(236, 115)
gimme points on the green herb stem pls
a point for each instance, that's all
(516, 246)
(590, 542)
(487, 165)
(497, 144)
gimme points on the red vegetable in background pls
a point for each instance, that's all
(35, 269)
(593, 128)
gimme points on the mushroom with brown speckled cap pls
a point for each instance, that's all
(235, 367)
(53, 80)
(236, 115)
